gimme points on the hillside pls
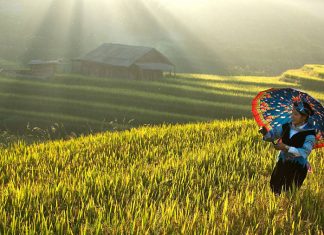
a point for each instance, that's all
(224, 37)
(82, 104)
(208, 178)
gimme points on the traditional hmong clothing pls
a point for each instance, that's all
(291, 168)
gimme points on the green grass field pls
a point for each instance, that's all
(84, 103)
(207, 178)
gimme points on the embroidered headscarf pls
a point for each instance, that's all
(303, 108)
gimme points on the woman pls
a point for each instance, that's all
(297, 139)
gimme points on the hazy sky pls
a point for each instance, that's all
(210, 33)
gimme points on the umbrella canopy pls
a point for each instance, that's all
(273, 107)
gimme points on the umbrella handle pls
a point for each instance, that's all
(279, 141)
(274, 143)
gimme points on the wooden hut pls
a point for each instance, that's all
(43, 68)
(123, 61)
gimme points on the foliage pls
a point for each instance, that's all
(80, 102)
(209, 178)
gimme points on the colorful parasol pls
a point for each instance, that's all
(273, 107)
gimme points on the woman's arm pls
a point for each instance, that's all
(306, 149)
(273, 134)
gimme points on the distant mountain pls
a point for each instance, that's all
(232, 37)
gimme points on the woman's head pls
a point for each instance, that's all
(301, 112)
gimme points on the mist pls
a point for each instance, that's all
(224, 37)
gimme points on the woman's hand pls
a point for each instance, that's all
(281, 146)
(263, 130)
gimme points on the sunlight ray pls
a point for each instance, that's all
(49, 36)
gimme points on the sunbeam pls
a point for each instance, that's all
(76, 31)
(49, 37)
(199, 36)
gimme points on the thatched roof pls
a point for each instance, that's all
(124, 56)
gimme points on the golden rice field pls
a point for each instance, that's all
(206, 178)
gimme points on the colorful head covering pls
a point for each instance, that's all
(303, 108)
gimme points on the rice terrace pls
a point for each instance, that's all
(157, 117)
(201, 177)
